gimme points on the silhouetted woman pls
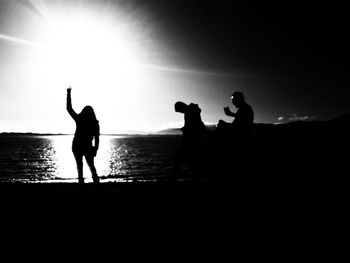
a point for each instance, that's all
(87, 129)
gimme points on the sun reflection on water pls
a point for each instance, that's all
(119, 159)
(108, 161)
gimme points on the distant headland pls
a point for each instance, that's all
(340, 120)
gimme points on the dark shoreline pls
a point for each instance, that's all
(135, 199)
(112, 191)
(237, 195)
(204, 211)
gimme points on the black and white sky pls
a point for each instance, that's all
(133, 59)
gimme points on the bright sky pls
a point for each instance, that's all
(111, 58)
(118, 60)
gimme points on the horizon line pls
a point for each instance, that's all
(161, 131)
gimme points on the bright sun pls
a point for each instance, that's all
(88, 47)
(110, 54)
(99, 57)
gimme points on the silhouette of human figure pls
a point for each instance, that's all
(87, 130)
(243, 117)
(193, 131)
(234, 140)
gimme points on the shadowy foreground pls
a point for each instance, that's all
(195, 217)
(136, 197)
(211, 200)
(296, 184)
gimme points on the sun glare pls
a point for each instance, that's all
(86, 46)
(109, 53)
(97, 55)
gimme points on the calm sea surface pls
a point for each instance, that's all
(120, 158)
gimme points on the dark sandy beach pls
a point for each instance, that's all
(142, 203)
(183, 217)
(140, 214)
(236, 196)
(162, 194)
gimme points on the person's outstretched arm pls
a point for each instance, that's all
(70, 110)
(228, 112)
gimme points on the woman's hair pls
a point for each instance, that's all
(88, 113)
(88, 117)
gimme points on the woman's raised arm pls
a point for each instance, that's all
(70, 110)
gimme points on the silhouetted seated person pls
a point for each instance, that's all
(234, 139)
(87, 130)
(193, 132)
(243, 119)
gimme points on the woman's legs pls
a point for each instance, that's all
(80, 150)
(79, 161)
(90, 161)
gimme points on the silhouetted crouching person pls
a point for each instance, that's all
(193, 131)
(235, 139)
(87, 130)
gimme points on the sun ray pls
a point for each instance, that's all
(185, 70)
(39, 8)
(21, 41)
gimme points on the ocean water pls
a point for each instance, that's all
(29, 158)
